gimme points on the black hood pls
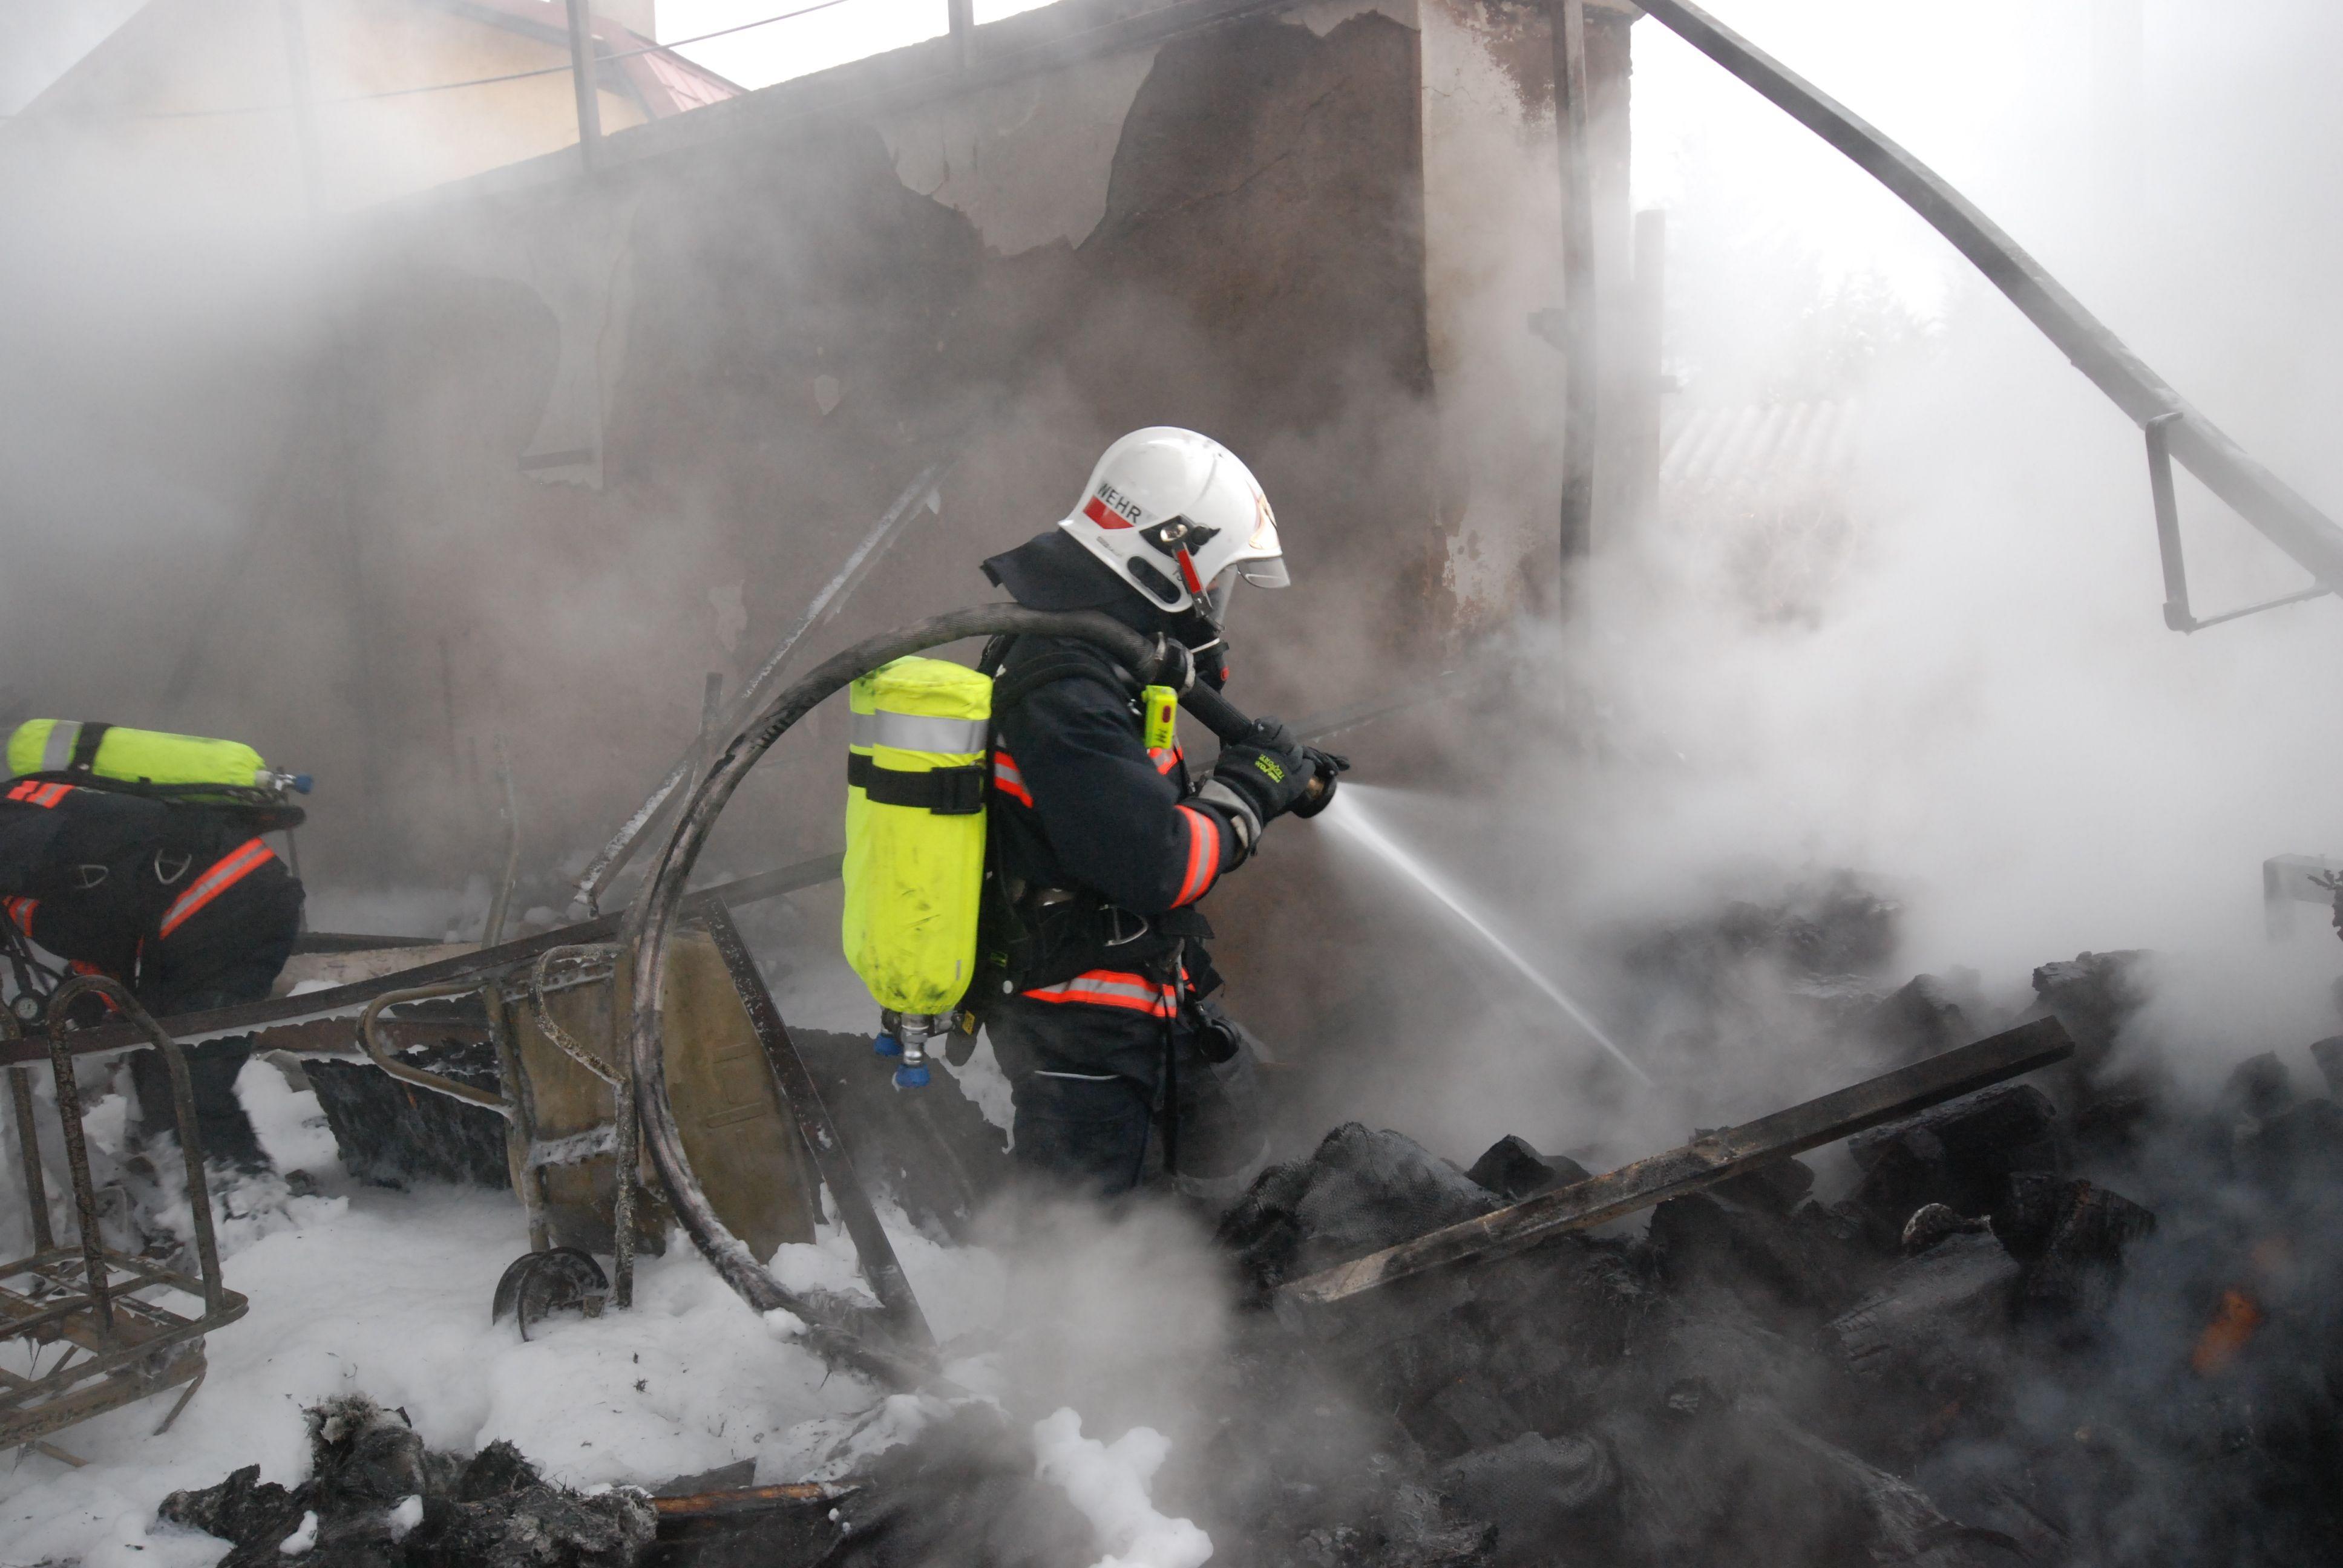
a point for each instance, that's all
(1052, 571)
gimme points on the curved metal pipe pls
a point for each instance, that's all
(380, 1053)
(652, 920)
(2266, 502)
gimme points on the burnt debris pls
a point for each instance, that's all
(378, 1499)
(2072, 1319)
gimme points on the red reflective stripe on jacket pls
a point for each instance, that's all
(20, 910)
(1009, 780)
(1110, 988)
(1204, 855)
(32, 792)
(225, 873)
(1165, 758)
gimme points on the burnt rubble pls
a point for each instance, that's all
(2077, 1318)
(376, 1498)
(933, 1153)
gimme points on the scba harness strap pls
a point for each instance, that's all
(946, 791)
(225, 873)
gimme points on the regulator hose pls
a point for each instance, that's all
(651, 919)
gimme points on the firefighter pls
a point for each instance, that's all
(183, 902)
(1101, 1017)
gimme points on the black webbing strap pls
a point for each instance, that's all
(946, 791)
(1017, 685)
(86, 742)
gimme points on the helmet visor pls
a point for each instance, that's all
(1268, 571)
(1217, 597)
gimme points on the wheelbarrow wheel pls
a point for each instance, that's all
(539, 1285)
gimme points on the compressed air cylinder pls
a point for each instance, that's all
(915, 795)
(113, 751)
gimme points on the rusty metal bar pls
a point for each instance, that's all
(877, 1254)
(93, 1248)
(2282, 516)
(29, 1141)
(1704, 1162)
(183, 1112)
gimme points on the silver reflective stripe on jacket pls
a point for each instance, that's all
(918, 732)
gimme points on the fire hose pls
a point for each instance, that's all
(653, 917)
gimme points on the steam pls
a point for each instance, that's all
(1985, 713)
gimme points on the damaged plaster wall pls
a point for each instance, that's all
(540, 457)
(1028, 161)
(743, 351)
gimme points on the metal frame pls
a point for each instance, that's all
(527, 1156)
(2177, 613)
(2175, 428)
(90, 1299)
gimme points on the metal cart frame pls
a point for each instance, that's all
(98, 1303)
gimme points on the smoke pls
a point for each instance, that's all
(1941, 667)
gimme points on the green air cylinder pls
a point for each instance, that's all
(915, 791)
(112, 752)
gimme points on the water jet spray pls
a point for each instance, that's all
(1357, 817)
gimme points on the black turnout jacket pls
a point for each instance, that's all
(1079, 803)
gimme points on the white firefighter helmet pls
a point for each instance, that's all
(1177, 517)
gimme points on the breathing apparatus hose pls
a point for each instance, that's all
(651, 919)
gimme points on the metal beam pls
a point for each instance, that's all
(2286, 518)
(189, 1028)
(1580, 339)
(1704, 1162)
(833, 596)
(582, 73)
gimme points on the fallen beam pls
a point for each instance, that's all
(189, 1028)
(1721, 1155)
(742, 1503)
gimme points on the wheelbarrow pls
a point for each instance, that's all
(120, 1341)
(573, 1147)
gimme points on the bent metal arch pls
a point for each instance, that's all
(2173, 427)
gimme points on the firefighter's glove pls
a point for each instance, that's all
(1328, 765)
(1269, 769)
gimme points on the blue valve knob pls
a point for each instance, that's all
(302, 783)
(885, 1045)
(911, 1077)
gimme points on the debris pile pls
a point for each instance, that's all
(2077, 1318)
(376, 1498)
